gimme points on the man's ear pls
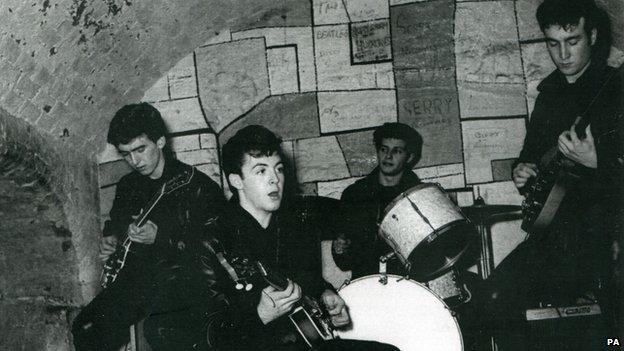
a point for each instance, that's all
(235, 181)
(161, 142)
(594, 36)
(410, 159)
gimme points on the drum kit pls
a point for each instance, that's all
(430, 235)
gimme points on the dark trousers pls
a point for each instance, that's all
(531, 275)
(104, 324)
(355, 345)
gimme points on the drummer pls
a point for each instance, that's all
(358, 247)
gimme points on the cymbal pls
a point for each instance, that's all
(484, 210)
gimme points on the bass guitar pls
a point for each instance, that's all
(117, 259)
(310, 321)
(556, 175)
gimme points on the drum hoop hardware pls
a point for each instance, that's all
(425, 219)
(395, 247)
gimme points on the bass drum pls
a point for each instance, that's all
(401, 312)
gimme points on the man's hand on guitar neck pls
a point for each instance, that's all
(108, 244)
(577, 150)
(336, 308)
(523, 172)
(145, 234)
(275, 303)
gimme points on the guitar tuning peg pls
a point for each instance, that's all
(239, 286)
(248, 286)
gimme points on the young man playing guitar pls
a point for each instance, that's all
(566, 260)
(263, 224)
(175, 219)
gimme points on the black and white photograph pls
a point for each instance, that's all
(311, 175)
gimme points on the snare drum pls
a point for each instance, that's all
(449, 288)
(426, 230)
(401, 312)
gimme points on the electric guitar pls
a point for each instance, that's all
(556, 175)
(117, 259)
(308, 318)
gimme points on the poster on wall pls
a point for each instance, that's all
(370, 42)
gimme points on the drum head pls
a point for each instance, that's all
(430, 259)
(402, 313)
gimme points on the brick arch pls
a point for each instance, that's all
(67, 65)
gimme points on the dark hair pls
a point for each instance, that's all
(132, 121)
(567, 13)
(255, 140)
(409, 135)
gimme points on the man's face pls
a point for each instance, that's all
(144, 155)
(392, 156)
(570, 48)
(261, 183)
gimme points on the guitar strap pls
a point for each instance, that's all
(227, 266)
(596, 96)
(219, 255)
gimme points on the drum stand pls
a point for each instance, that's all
(483, 216)
(383, 279)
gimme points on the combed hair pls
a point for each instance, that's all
(255, 140)
(409, 135)
(568, 13)
(131, 121)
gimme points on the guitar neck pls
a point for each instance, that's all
(142, 218)
(580, 127)
(273, 278)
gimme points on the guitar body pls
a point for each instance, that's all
(117, 259)
(115, 263)
(307, 316)
(542, 203)
(557, 174)
(309, 321)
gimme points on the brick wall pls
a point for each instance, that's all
(464, 74)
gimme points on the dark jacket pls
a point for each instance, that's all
(289, 245)
(579, 237)
(179, 215)
(362, 207)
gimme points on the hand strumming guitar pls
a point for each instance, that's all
(577, 150)
(145, 234)
(275, 303)
(336, 308)
(523, 172)
(108, 244)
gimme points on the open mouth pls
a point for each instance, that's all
(274, 195)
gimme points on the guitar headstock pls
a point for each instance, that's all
(178, 181)
(244, 270)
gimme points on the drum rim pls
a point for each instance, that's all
(399, 278)
(408, 191)
(439, 232)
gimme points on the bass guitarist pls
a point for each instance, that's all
(138, 132)
(576, 113)
(261, 224)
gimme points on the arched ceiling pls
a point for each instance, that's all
(67, 65)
